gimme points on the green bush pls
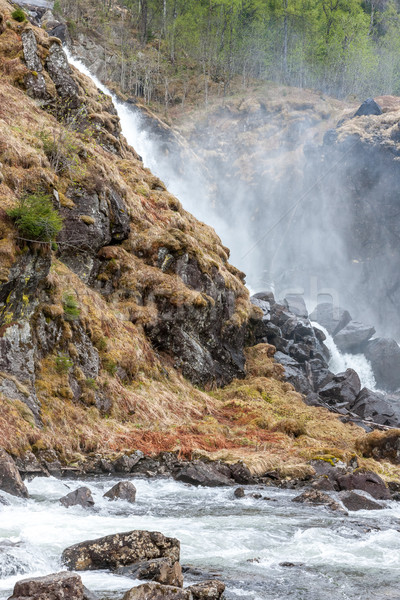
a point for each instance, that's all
(18, 15)
(71, 308)
(36, 218)
(63, 363)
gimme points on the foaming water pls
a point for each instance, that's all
(242, 541)
(340, 362)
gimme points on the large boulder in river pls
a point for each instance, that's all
(58, 586)
(367, 481)
(353, 337)
(206, 474)
(162, 570)
(384, 356)
(119, 550)
(208, 590)
(124, 490)
(79, 497)
(156, 591)
(353, 501)
(10, 479)
(343, 388)
(333, 318)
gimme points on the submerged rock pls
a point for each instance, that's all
(10, 479)
(124, 490)
(316, 497)
(119, 550)
(239, 492)
(79, 497)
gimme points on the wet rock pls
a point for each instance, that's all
(156, 591)
(368, 107)
(291, 564)
(241, 473)
(205, 474)
(343, 387)
(10, 479)
(266, 296)
(121, 549)
(333, 318)
(239, 492)
(79, 497)
(29, 466)
(384, 356)
(353, 337)
(316, 497)
(124, 490)
(353, 502)
(207, 590)
(58, 586)
(367, 481)
(162, 570)
(377, 408)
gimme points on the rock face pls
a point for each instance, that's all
(10, 479)
(58, 586)
(155, 591)
(119, 550)
(384, 356)
(81, 497)
(124, 490)
(353, 501)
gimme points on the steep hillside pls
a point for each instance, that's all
(117, 331)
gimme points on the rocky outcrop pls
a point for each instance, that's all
(81, 497)
(124, 490)
(58, 586)
(10, 479)
(119, 550)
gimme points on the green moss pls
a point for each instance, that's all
(71, 308)
(18, 15)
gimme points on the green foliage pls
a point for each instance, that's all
(110, 366)
(63, 363)
(71, 308)
(91, 383)
(36, 218)
(18, 15)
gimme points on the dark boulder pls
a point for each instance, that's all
(156, 591)
(125, 463)
(384, 356)
(333, 318)
(266, 296)
(79, 497)
(316, 498)
(121, 549)
(208, 590)
(377, 408)
(58, 586)
(10, 479)
(368, 107)
(162, 570)
(343, 388)
(239, 493)
(205, 474)
(367, 481)
(353, 337)
(241, 473)
(353, 501)
(124, 490)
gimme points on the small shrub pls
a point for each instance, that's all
(91, 383)
(18, 15)
(110, 366)
(36, 218)
(71, 308)
(63, 363)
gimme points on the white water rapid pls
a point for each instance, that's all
(241, 541)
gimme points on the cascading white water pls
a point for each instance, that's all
(241, 541)
(339, 362)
